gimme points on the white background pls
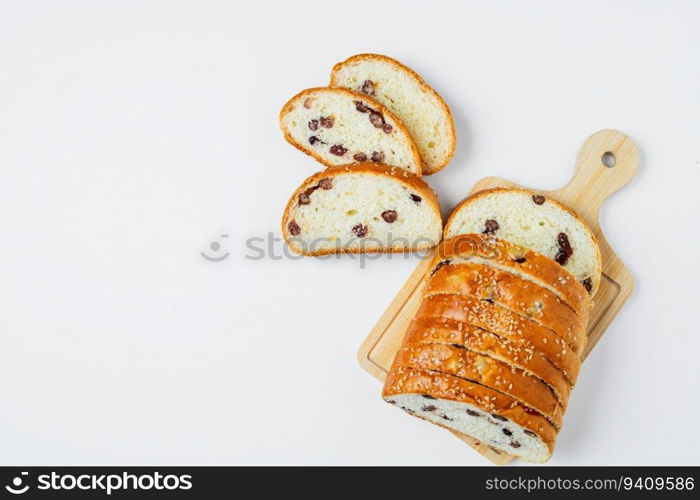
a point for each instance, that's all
(133, 134)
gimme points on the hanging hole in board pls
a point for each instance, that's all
(608, 159)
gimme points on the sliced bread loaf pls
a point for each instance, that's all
(503, 323)
(477, 411)
(511, 292)
(405, 93)
(340, 127)
(533, 221)
(362, 208)
(525, 263)
(486, 371)
(518, 353)
(501, 318)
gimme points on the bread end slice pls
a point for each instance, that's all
(456, 404)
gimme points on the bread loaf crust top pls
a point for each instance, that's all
(489, 372)
(519, 259)
(519, 354)
(503, 323)
(511, 292)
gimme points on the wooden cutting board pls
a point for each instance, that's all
(606, 162)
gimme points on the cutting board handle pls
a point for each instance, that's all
(606, 162)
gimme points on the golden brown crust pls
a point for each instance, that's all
(412, 181)
(503, 323)
(299, 98)
(595, 280)
(519, 353)
(512, 292)
(442, 386)
(499, 318)
(519, 259)
(482, 370)
(424, 85)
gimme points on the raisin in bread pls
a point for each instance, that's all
(477, 411)
(503, 323)
(340, 127)
(405, 93)
(510, 292)
(486, 371)
(523, 262)
(362, 208)
(520, 354)
(533, 221)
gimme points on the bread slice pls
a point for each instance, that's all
(489, 372)
(503, 323)
(510, 292)
(525, 263)
(477, 411)
(362, 208)
(518, 353)
(533, 221)
(340, 127)
(405, 93)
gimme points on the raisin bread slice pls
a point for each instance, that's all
(459, 405)
(362, 208)
(525, 263)
(531, 220)
(482, 370)
(503, 323)
(510, 292)
(518, 353)
(339, 127)
(405, 93)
